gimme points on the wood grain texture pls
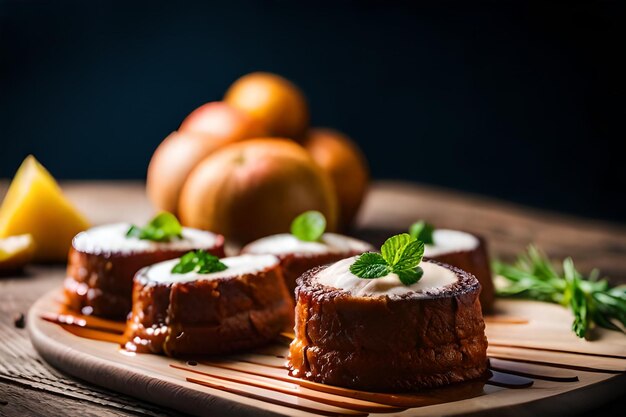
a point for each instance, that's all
(390, 205)
(549, 328)
(195, 389)
(25, 376)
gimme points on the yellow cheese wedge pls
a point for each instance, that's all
(36, 205)
(15, 252)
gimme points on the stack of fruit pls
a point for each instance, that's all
(244, 167)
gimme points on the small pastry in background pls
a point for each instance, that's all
(461, 249)
(306, 247)
(104, 259)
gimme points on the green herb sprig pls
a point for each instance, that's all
(423, 231)
(591, 300)
(162, 228)
(198, 261)
(309, 226)
(400, 254)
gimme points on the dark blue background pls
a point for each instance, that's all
(515, 100)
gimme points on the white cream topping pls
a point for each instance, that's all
(111, 238)
(236, 266)
(338, 276)
(286, 243)
(450, 241)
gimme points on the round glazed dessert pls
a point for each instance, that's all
(298, 256)
(103, 261)
(241, 307)
(467, 252)
(380, 335)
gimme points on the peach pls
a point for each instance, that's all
(218, 120)
(274, 101)
(255, 188)
(171, 164)
(346, 165)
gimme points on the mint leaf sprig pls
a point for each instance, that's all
(198, 261)
(591, 300)
(309, 226)
(423, 231)
(162, 228)
(400, 255)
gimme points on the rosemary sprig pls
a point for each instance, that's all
(591, 300)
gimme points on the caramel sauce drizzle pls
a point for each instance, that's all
(79, 320)
(299, 391)
(93, 334)
(397, 400)
(86, 326)
(266, 369)
(272, 400)
(502, 319)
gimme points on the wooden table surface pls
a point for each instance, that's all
(28, 386)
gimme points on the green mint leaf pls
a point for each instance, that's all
(410, 276)
(410, 256)
(183, 268)
(133, 231)
(394, 246)
(402, 251)
(400, 254)
(186, 264)
(422, 231)
(309, 226)
(198, 261)
(211, 265)
(162, 228)
(370, 265)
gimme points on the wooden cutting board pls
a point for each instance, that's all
(538, 366)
